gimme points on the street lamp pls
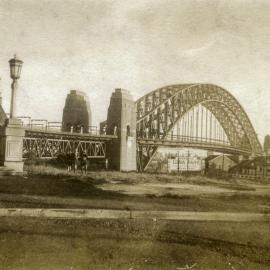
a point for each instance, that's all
(15, 72)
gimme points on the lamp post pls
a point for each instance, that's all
(12, 133)
(15, 72)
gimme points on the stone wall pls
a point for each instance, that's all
(121, 122)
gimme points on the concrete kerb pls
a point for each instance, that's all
(128, 214)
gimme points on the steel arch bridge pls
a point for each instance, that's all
(203, 116)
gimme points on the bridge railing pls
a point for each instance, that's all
(52, 126)
(47, 126)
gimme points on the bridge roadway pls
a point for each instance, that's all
(169, 141)
(56, 134)
(196, 144)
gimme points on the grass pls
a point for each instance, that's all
(134, 178)
(37, 243)
(45, 186)
(29, 243)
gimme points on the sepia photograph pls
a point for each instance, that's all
(134, 135)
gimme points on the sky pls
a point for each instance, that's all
(97, 46)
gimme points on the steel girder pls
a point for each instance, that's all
(48, 144)
(50, 148)
(159, 111)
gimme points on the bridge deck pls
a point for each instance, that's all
(39, 133)
(218, 147)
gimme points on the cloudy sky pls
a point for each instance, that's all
(96, 46)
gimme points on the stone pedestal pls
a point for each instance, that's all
(121, 121)
(12, 135)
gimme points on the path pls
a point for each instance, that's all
(126, 214)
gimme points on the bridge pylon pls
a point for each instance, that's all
(121, 121)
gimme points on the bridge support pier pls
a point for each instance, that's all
(11, 146)
(121, 121)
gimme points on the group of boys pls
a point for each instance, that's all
(74, 159)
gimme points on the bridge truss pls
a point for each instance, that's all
(202, 116)
(48, 144)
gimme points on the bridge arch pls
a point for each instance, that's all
(160, 110)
